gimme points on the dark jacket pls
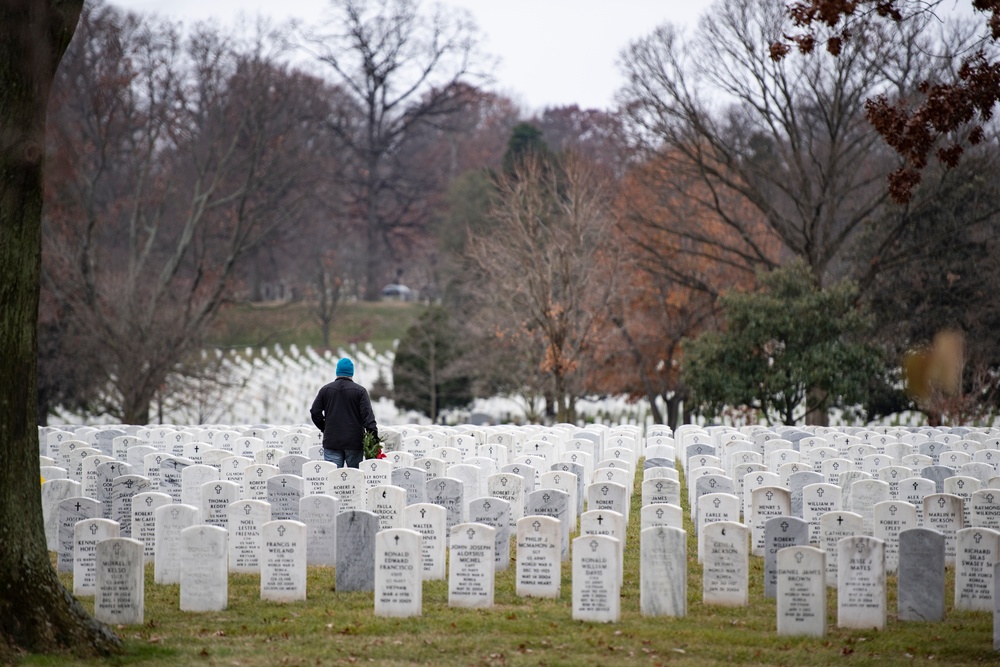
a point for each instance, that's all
(343, 411)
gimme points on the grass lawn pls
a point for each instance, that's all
(257, 325)
(333, 628)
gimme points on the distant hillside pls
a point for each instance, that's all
(258, 325)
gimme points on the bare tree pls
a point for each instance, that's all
(177, 157)
(401, 69)
(548, 267)
(788, 139)
(36, 612)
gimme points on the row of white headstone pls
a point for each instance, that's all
(716, 578)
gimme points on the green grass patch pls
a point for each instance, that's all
(262, 325)
(332, 628)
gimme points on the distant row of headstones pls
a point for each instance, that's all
(724, 538)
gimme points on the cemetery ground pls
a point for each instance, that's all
(332, 628)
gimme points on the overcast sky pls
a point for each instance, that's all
(552, 52)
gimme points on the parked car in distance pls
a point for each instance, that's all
(397, 292)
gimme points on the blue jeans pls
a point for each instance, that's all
(352, 457)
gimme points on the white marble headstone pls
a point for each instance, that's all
(538, 564)
(204, 568)
(171, 519)
(398, 580)
(283, 561)
(801, 591)
(119, 598)
(430, 521)
(471, 569)
(245, 520)
(596, 582)
(87, 534)
(725, 574)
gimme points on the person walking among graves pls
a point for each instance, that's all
(343, 411)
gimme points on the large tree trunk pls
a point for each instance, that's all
(36, 611)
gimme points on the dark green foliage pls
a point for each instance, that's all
(525, 140)
(428, 372)
(942, 274)
(789, 343)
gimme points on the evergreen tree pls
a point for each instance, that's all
(788, 346)
(428, 373)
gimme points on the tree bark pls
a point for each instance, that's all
(36, 612)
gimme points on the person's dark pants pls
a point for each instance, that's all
(351, 457)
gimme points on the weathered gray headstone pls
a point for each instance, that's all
(356, 531)
(54, 491)
(284, 492)
(920, 587)
(861, 592)
(580, 479)
(663, 571)
(553, 503)
(796, 484)
(69, 512)
(780, 532)
(509, 487)
(319, 513)
(494, 512)
(413, 480)
(937, 474)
